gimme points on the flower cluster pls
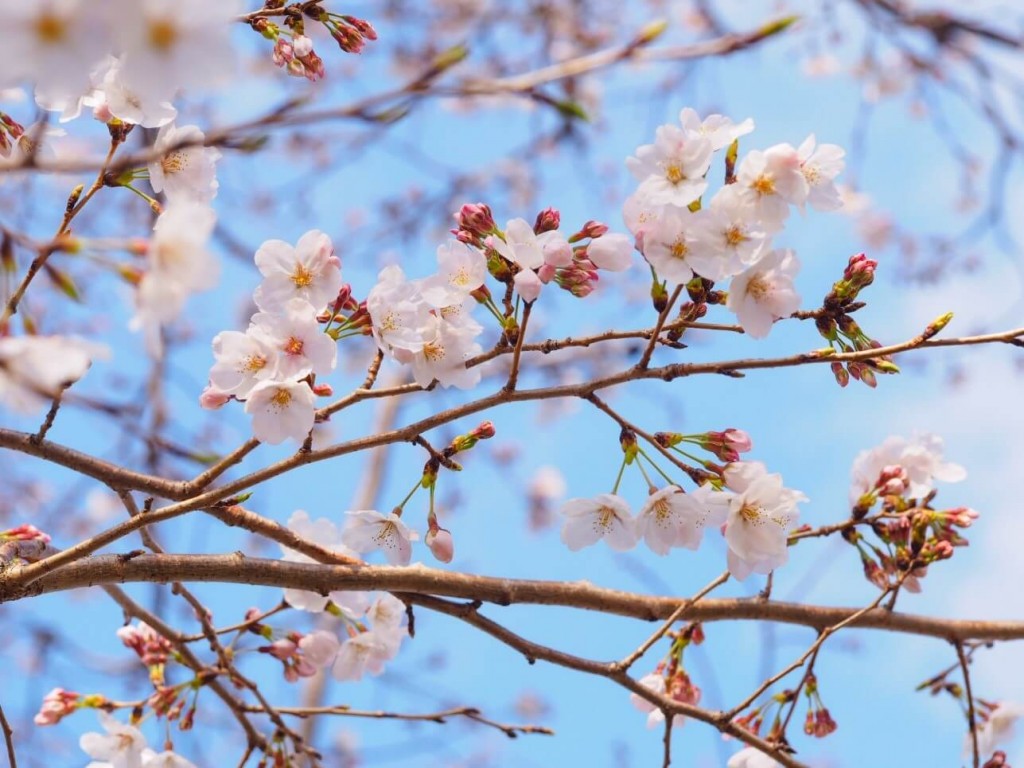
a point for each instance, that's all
(124, 746)
(682, 236)
(899, 476)
(754, 509)
(293, 49)
(670, 679)
(272, 366)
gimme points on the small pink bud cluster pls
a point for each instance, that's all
(998, 760)
(10, 131)
(150, 646)
(484, 431)
(579, 278)
(819, 722)
(57, 704)
(298, 58)
(475, 222)
(349, 32)
(859, 273)
(287, 651)
(727, 445)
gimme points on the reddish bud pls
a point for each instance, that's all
(548, 220)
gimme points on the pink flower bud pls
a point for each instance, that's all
(212, 398)
(548, 220)
(364, 27)
(57, 704)
(441, 544)
(841, 374)
(323, 390)
(591, 229)
(25, 532)
(476, 218)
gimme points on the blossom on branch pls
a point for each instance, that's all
(606, 516)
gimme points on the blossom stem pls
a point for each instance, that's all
(658, 469)
(618, 478)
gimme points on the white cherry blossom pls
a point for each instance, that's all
(761, 514)
(671, 170)
(319, 648)
(121, 747)
(718, 129)
(243, 361)
(772, 180)
(612, 251)
(656, 683)
(301, 347)
(309, 271)
(764, 292)
(641, 215)
(461, 269)
(366, 652)
(187, 173)
(179, 264)
(168, 45)
(443, 356)
(367, 530)
(112, 97)
(998, 729)
(280, 410)
(670, 518)
(820, 165)
(56, 43)
(324, 533)
(521, 245)
(606, 516)
(668, 245)
(727, 238)
(399, 314)
(35, 369)
(920, 459)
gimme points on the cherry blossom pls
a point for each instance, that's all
(121, 747)
(366, 652)
(186, 173)
(613, 252)
(764, 292)
(717, 129)
(243, 361)
(57, 43)
(656, 683)
(299, 342)
(310, 271)
(387, 614)
(668, 245)
(319, 648)
(324, 533)
(462, 269)
(670, 518)
(671, 170)
(113, 98)
(173, 44)
(606, 516)
(179, 265)
(446, 347)
(641, 215)
(918, 462)
(399, 314)
(727, 238)
(280, 410)
(820, 165)
(521, 245)
(761, 514)
(35, 369)
(366, 530)
(748, 757)
(998, 729)
(772, 180)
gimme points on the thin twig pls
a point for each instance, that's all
(971, 718)
(12, 759)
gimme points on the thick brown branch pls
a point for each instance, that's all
(419, 579)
